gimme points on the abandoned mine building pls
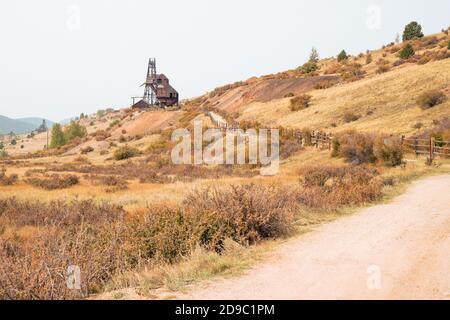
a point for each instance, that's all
(158, 91)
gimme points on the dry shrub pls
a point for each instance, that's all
(154, 173)
(350, 117)
(7, 180)
(19, 213)
(428, 42)
(440, 131)
(77, 234)
(246, 214)
(352, 72)
(300, 102)
(359, 148)
(431, 98)
(81, 159)
(112, 183)
(126, 152)
(383, 66)
(53, 181)
(87, 150)
(329, 187)
(101, 135)
(355, 147)
(334, 68)
(290, 142)
(325, 84)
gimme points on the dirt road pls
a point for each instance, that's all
(400, 250)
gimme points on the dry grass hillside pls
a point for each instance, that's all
(385, 102)
(378, 87)
(112, 202)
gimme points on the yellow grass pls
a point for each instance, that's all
(390, 96)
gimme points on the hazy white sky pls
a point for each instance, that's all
(62, 57)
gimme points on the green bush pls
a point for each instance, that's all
(114, 123)
(311, 65)
(430, 99)
(389, 151)
(308, 67)
(74, 130)
(412, 30)
(125, 152)
(58, 138)
(342, 56)
(407, 52)
(448, 45)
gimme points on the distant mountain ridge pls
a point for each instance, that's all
(21, 126)
(35, 121)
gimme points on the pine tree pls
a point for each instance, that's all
(74, 130)
(311, 65)
(407, 52)
(342, 56)
(412, 30)
(314, 55)
(58, 138)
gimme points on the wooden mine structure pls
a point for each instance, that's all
(158, 91)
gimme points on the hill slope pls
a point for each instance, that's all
(7, 125)
(36, 122)
(378, 87)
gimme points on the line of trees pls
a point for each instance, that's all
(61, 136)
(412, 30)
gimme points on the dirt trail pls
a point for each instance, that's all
(400, 250)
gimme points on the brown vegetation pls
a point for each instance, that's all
(53, 181)
(7, 180)
(430, 99)
(329, 187)
(358, 148)
(300, 102)
(126, 152)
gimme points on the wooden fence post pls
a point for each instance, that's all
(416, 146)
(431, 149)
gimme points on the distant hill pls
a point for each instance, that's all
(66, 121)
(20, 126)
(7, 125)
(36, 122)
